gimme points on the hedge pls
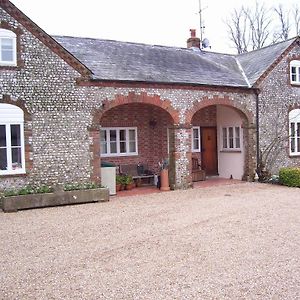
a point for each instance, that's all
(290, 177)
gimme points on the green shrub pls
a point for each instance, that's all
(27, 190)
(290, 177)
(81, 186)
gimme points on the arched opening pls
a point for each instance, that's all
(220, 141)
(135, 133)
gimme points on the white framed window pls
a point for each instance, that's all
(118, 141)
(196, 139)
(8, 48)
(295, 71)
(294, 131)
(231, 138)
(12, 154)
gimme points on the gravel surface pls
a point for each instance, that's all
(228, 242)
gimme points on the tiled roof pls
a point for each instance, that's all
(113, 60)
(256, 62)
(124, 61)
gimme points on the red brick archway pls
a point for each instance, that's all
(248, 124)
(216, 100)
(119, 103)
(137, 98)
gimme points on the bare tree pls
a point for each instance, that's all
(283, 32)
(249, 29)
(296, 17)
(254, 28)
(259, 20)
(237, 29)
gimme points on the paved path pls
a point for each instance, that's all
(228, 242)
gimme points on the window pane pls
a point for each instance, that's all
(132, 135)
(6, 49)
(292, 145)
(230, 130)
(293, 70)
(237, 137)
(298, 129)
(16, 158)
(225, 137)
(195, 139)
(132, 147)
(123, 147)
(123, 141)
(103, 142)
(122, 135)
(3, 159)
(113, 141)
(292, 129)
(2, 136)
(15, 135)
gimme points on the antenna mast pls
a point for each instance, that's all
(201, 21)
(200, 16)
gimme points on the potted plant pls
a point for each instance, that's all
(129, 183)
(119, 182)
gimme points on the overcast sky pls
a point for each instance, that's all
(159, 22)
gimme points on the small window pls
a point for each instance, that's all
(295, 71)
(196, 139)
(294, 124)
(8, 51)
(118, 141)
(231, 138)
(12, 157)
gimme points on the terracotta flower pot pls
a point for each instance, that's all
(164, 180)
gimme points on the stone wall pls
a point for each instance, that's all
(276, 99)
(61, 137)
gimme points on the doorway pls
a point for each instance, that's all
(209, 156)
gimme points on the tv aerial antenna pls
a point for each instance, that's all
(204, 42)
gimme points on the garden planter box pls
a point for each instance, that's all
(14, 203)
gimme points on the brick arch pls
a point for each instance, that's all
(219, 101)
(142, 98)
(248, 120)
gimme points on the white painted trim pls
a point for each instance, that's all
(294, 117)
(199, 142)
(295, 64)
(8, 34)
(228, 149)
(118, 153)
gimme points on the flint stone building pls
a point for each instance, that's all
(68, 103)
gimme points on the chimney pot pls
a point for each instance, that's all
(193, 41)
(193, 33)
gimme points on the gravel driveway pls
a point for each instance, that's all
(229, 242)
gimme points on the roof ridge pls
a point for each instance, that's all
(268, 46)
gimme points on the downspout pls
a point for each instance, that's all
(256, 91)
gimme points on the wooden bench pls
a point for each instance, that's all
(138, 173)
(197, 173)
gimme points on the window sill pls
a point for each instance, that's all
(119, 155)
(23, 174)
(231, 151)
(294, 155)
(295, 84)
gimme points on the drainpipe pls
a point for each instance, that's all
(257, 91)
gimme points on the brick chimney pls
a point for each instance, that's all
(193, 41)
